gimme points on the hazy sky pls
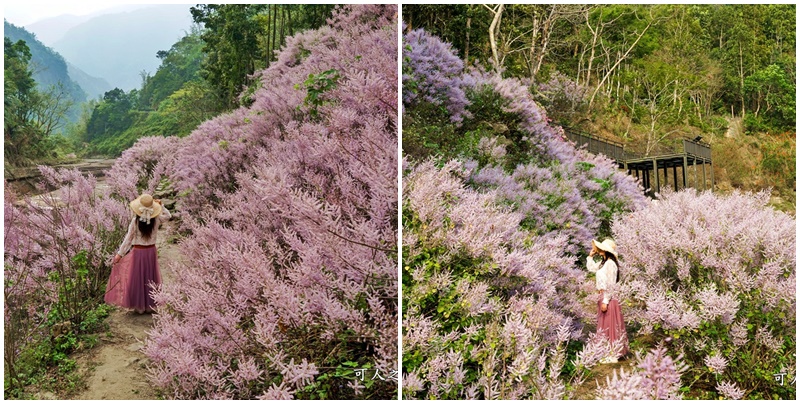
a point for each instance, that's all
(24, 12)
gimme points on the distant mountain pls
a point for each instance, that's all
(52, 29)
(119, 46)
(49, 68)
(94, 87)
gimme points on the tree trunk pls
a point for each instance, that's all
(283, 22)
(741, 77)
(274, 32)
(545, 39)
(493, 28)
(595, 35)
(619, 60)
(466, 44)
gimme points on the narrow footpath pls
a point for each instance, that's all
(116, 369)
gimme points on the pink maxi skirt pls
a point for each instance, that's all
(612, 324)
(133, 280)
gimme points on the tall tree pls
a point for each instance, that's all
(30, 116)
(231, 42)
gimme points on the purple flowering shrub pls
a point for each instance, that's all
(57, 260)
(714, 276)
(564, 99)
(288, 288)
(433, 74)
(490, 243)
(484, 313)
(655, 377)
(142, 167)
(559, 188)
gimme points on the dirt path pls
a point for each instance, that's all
(600, 372)
(116, 368)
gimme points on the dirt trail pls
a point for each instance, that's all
(588, 389)
(116, 368)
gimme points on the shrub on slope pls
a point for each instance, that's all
(288, 287)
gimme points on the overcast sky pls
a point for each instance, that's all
(24, 12)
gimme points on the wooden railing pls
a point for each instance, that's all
(697, 148)
(597, 145)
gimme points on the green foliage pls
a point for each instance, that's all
(330, 385)
(49, 71)
(316, 85)
(111, 116)
(31, 117)
(242, 38)
(428, 131)
(45, 362)
(752, 367)
(179, 65)
(772, 93)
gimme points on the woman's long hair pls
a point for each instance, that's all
(608, 255)
(146, 229)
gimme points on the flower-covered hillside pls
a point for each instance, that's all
(499, 210)
(289, 204)
(497, 207)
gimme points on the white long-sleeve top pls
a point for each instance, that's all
(606, 276)
(135, 237)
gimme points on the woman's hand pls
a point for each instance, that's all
(594, 251)
(117, 257)
(603, 307)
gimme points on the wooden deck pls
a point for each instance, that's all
(654, 171)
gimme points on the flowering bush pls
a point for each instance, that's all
(655, 377)
(563, 98)
(432, 73)
(715, 276)
(141, 168)
(491, 238)
(289, 287)
(57, 261)
(483, 317)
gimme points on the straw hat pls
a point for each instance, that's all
(145, 207)
(608, 245)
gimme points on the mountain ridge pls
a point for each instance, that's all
(119, 47)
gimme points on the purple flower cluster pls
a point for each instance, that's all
(524, 335)
(57, 248)
(656, 377)
(142, 167)
(562, 96)
(293, 225)
(730, 391)
(699, 261)
(433, 73)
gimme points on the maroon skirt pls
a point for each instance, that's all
(133, 280)
(612, 324)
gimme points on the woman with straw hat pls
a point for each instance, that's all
(134, 276)
(609, 316)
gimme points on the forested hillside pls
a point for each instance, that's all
(49, 70)
(201, 75)
(649, 75)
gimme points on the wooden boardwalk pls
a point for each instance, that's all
(654, 171)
